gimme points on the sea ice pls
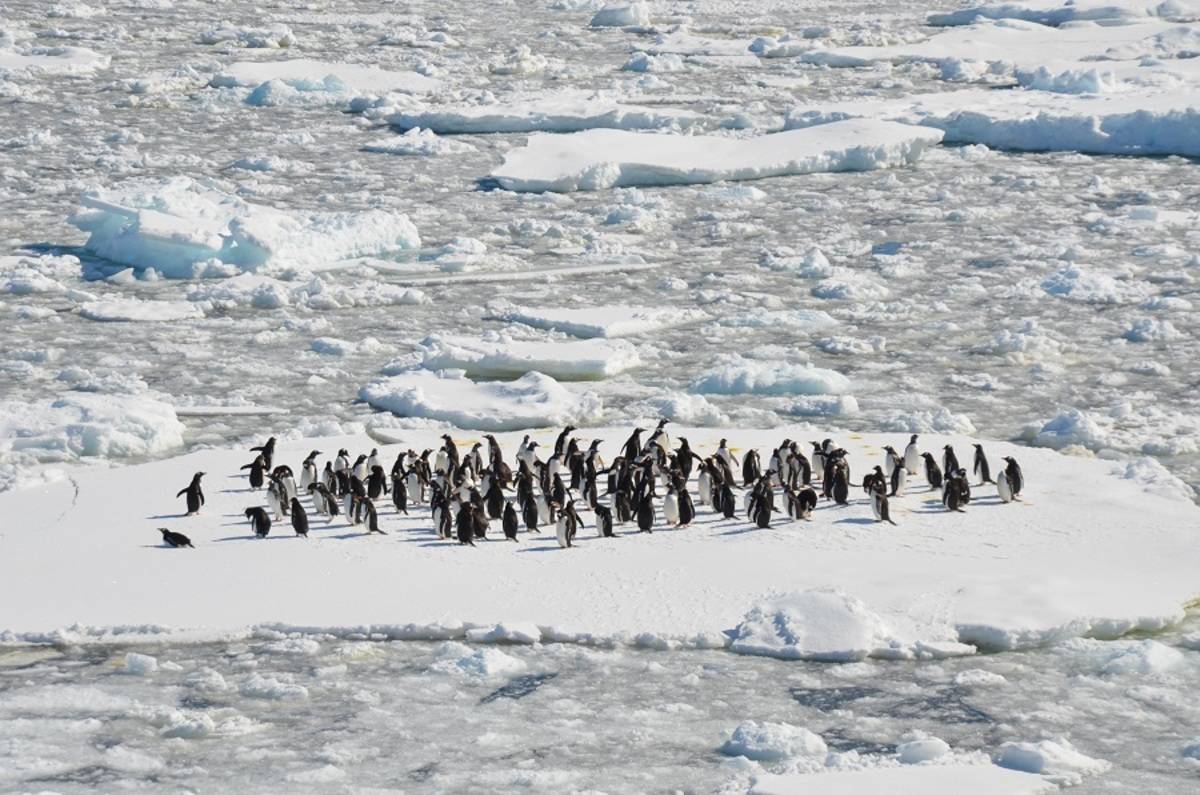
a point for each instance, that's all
(619, 15)
(600, 321)
(307, 75)
(82, 424)
(501, 356)
(134, 309)
(908, 780)
(601, 159)
(1058, 12)
(739, 375)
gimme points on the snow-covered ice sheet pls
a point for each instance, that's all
(565, 111)
(1150, 123)
(305, 74)
(1058, 12)
(89, 425)
(600, 321)
(134, 309)
(179, 227)
(534, 400)
(600, 159)
(501, 356)
(1053, 566)
(949, 779)
(51, 60)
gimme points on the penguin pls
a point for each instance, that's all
(805, 502)
(933, 475)
(879, 504)
(952, 494)
(687, 511)
(761, 506)
(465, 526)
(1002, 486)
(284, 475)
(400, 495)
(728, 504)
(633, 445)
(645, 513)
(268, 453)
(899, 479)
(912, 456)
(370, 517)
(1015, 477)
(751, 468)
(275, 499)
(451, 450)
(373, 459)
(324, 500)
(568, 525)
(308, 470)
(964, 486)
(671, 506)
(981, 465)
(560, 444)
(260, 520)
(195, 494)
(529, 513)
(949, 460)
(299, 519)
(256, 467)
(376, 482)
(175, 540)
(510, 522)
(704, 482)
(891, 459)
(359, 468)
(841, 484)
(724, 455)
(604, 521)
(818, 458)
(623, 506)
(494, 499)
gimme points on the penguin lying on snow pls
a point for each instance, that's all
(175, 540)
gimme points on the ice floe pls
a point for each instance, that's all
(739, 376)
(51, 60)
(600, 159)
(84, 424)
(1058, 12)
(307, 75)
(417, 142)
(135, 309)
(180, 227)
(978, 779)
(501, 356)
(600, 321)
(617, 15)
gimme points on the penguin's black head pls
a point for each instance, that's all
(1007, 458)
(978, 447)
(948, 447)
(164, 531)
(913, 440)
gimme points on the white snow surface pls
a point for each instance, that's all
(86, 424)
(179, 227)
(907, 780)
(1057, 12)
(601, 159)
(134, 309)
(534, 400)
(600, 321)
(501, 356)
(841, 587)
(50, 61)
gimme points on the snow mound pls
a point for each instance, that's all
(534, 400)
(830, 625)
(620, 15)
(601, 159)
(82, 424)
(1058, 12)
(133, 309)
(504, 357)
(1057, 760)
(565, 111)
(139, 664)
(418, 142)
(307, 75)
(180, 227)
(601, 321)
(681, 408)
(741, 376)
(1121, 657)
(483, 663)
(270, 689)
(271, 37)
(927, 749)
(773, 742)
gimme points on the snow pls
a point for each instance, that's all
(601, 159)
(50, 61)
(418, 142)
(534, 400)
(134, 309)
(908, 780)
(501, 356)
(739, 375)
(773, 742)
(82, 424)
(600, 321)
(1058, 12)
(1058, 760)
(561, 111)
(307, 75)
(140, 664)
(839, 587)
(617, 15)
(927, 749)
(179, 227)
(271, 37)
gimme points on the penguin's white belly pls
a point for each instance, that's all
(1003, 488)
(901, 481)
(671, 509)
(912, 459)
(889, 464)
(561, 532)
(877, 507)
(705, 485)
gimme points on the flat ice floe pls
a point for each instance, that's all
(181, 227)
(600, 159)
(501, 356)
(89, 425)
(304, 74)
(1054, 566)
(132, 309)
(600, 321)
(1146, 123)
(566, 111)
(534, 400)
(51, 60)
(1058, 12)
(936, 779)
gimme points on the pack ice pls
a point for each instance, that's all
(601, 159)
(181, 227)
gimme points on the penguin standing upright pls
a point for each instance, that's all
(933, 475)
(899, 479)
(568, 525)
(879, 504)
(257, 467)
(275, 499)
(1013, 477)
(370, 517)
(645, 513)
(376, 482)
(751, 468)
(195, 494)
(949, 460)
(912, 456)
(604, 521)
(510, 522)
(687, 510)
(982, 470)
(308, 470)
(465, 526)
(259, 520)
(671, 506)
(299, 519)
(400, 494)
(268, 453)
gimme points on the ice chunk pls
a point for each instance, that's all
(418, 142)
(532, 401)
(271, 37)
(600, 321)
(927, 749)
(93, 425)
(563, 111)
(134, 309)
(1057, 12)
(140, 664)
(178, 227)
(1058, 760)
(600, 159)
(739, 375)
(619, 15)
(773, 742)
(305, 74)
(682, 408)
(505, 357)
(51, 60)
(271, 689)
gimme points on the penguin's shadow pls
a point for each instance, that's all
(252, 537)
(168, 516)
(855, 520)
(546, 548)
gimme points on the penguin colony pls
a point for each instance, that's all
(648, 479)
